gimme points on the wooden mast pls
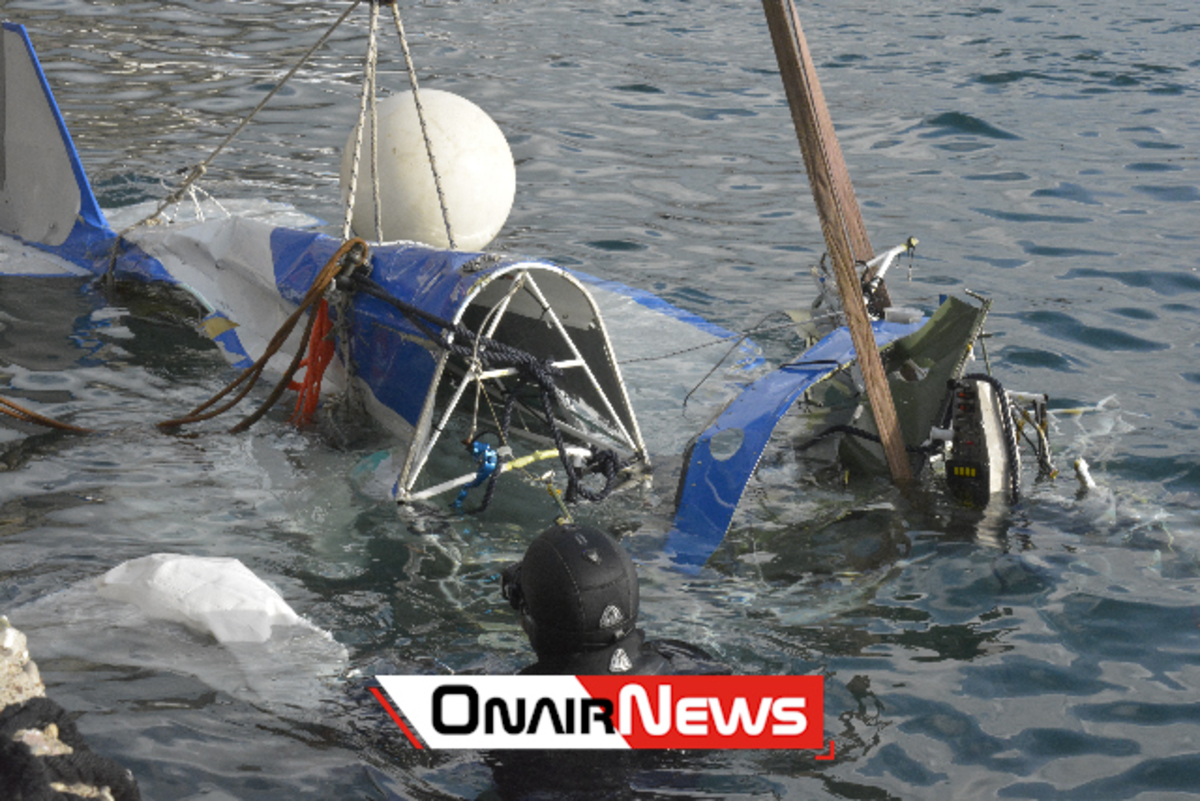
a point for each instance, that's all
(841, 221)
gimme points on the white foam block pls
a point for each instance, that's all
(212, 594)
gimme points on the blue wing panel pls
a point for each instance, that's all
(711, 487)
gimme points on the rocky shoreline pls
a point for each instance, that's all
(42, 755)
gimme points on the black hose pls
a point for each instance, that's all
(1010, 433)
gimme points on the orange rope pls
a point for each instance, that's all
(320, 354)
(251, 375)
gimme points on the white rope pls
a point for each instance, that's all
(375, 142)
(366, 100)
(412, 79)
(196, 203)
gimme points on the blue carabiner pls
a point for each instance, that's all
(488, 460)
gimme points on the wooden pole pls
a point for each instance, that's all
(841, 220)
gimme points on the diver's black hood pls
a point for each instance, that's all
(579, 591)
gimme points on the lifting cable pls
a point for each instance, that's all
(199, 170)
(367, 110)
(412, 79)
(366, 103)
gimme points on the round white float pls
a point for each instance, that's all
(473, 160)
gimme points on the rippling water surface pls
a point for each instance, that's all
(1043, 152)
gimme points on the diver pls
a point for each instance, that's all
(577, 591)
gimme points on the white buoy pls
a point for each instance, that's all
(473, 161)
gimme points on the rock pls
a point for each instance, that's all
(29, 733)
(19, 677)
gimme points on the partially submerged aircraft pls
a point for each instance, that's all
(521, 350)
(433, 330)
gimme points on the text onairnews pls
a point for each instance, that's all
(607, 712)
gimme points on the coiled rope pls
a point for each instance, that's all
(320, 354)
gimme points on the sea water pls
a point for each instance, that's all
(1044, 153)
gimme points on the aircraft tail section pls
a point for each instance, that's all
(45, 198)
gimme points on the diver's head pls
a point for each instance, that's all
(576, 590)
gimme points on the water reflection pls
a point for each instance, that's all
(1047, 650)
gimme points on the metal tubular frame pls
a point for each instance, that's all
(428, 433)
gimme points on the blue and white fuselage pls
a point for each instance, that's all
(249, 268)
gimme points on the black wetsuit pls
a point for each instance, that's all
(632, 656)
(568, 775)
